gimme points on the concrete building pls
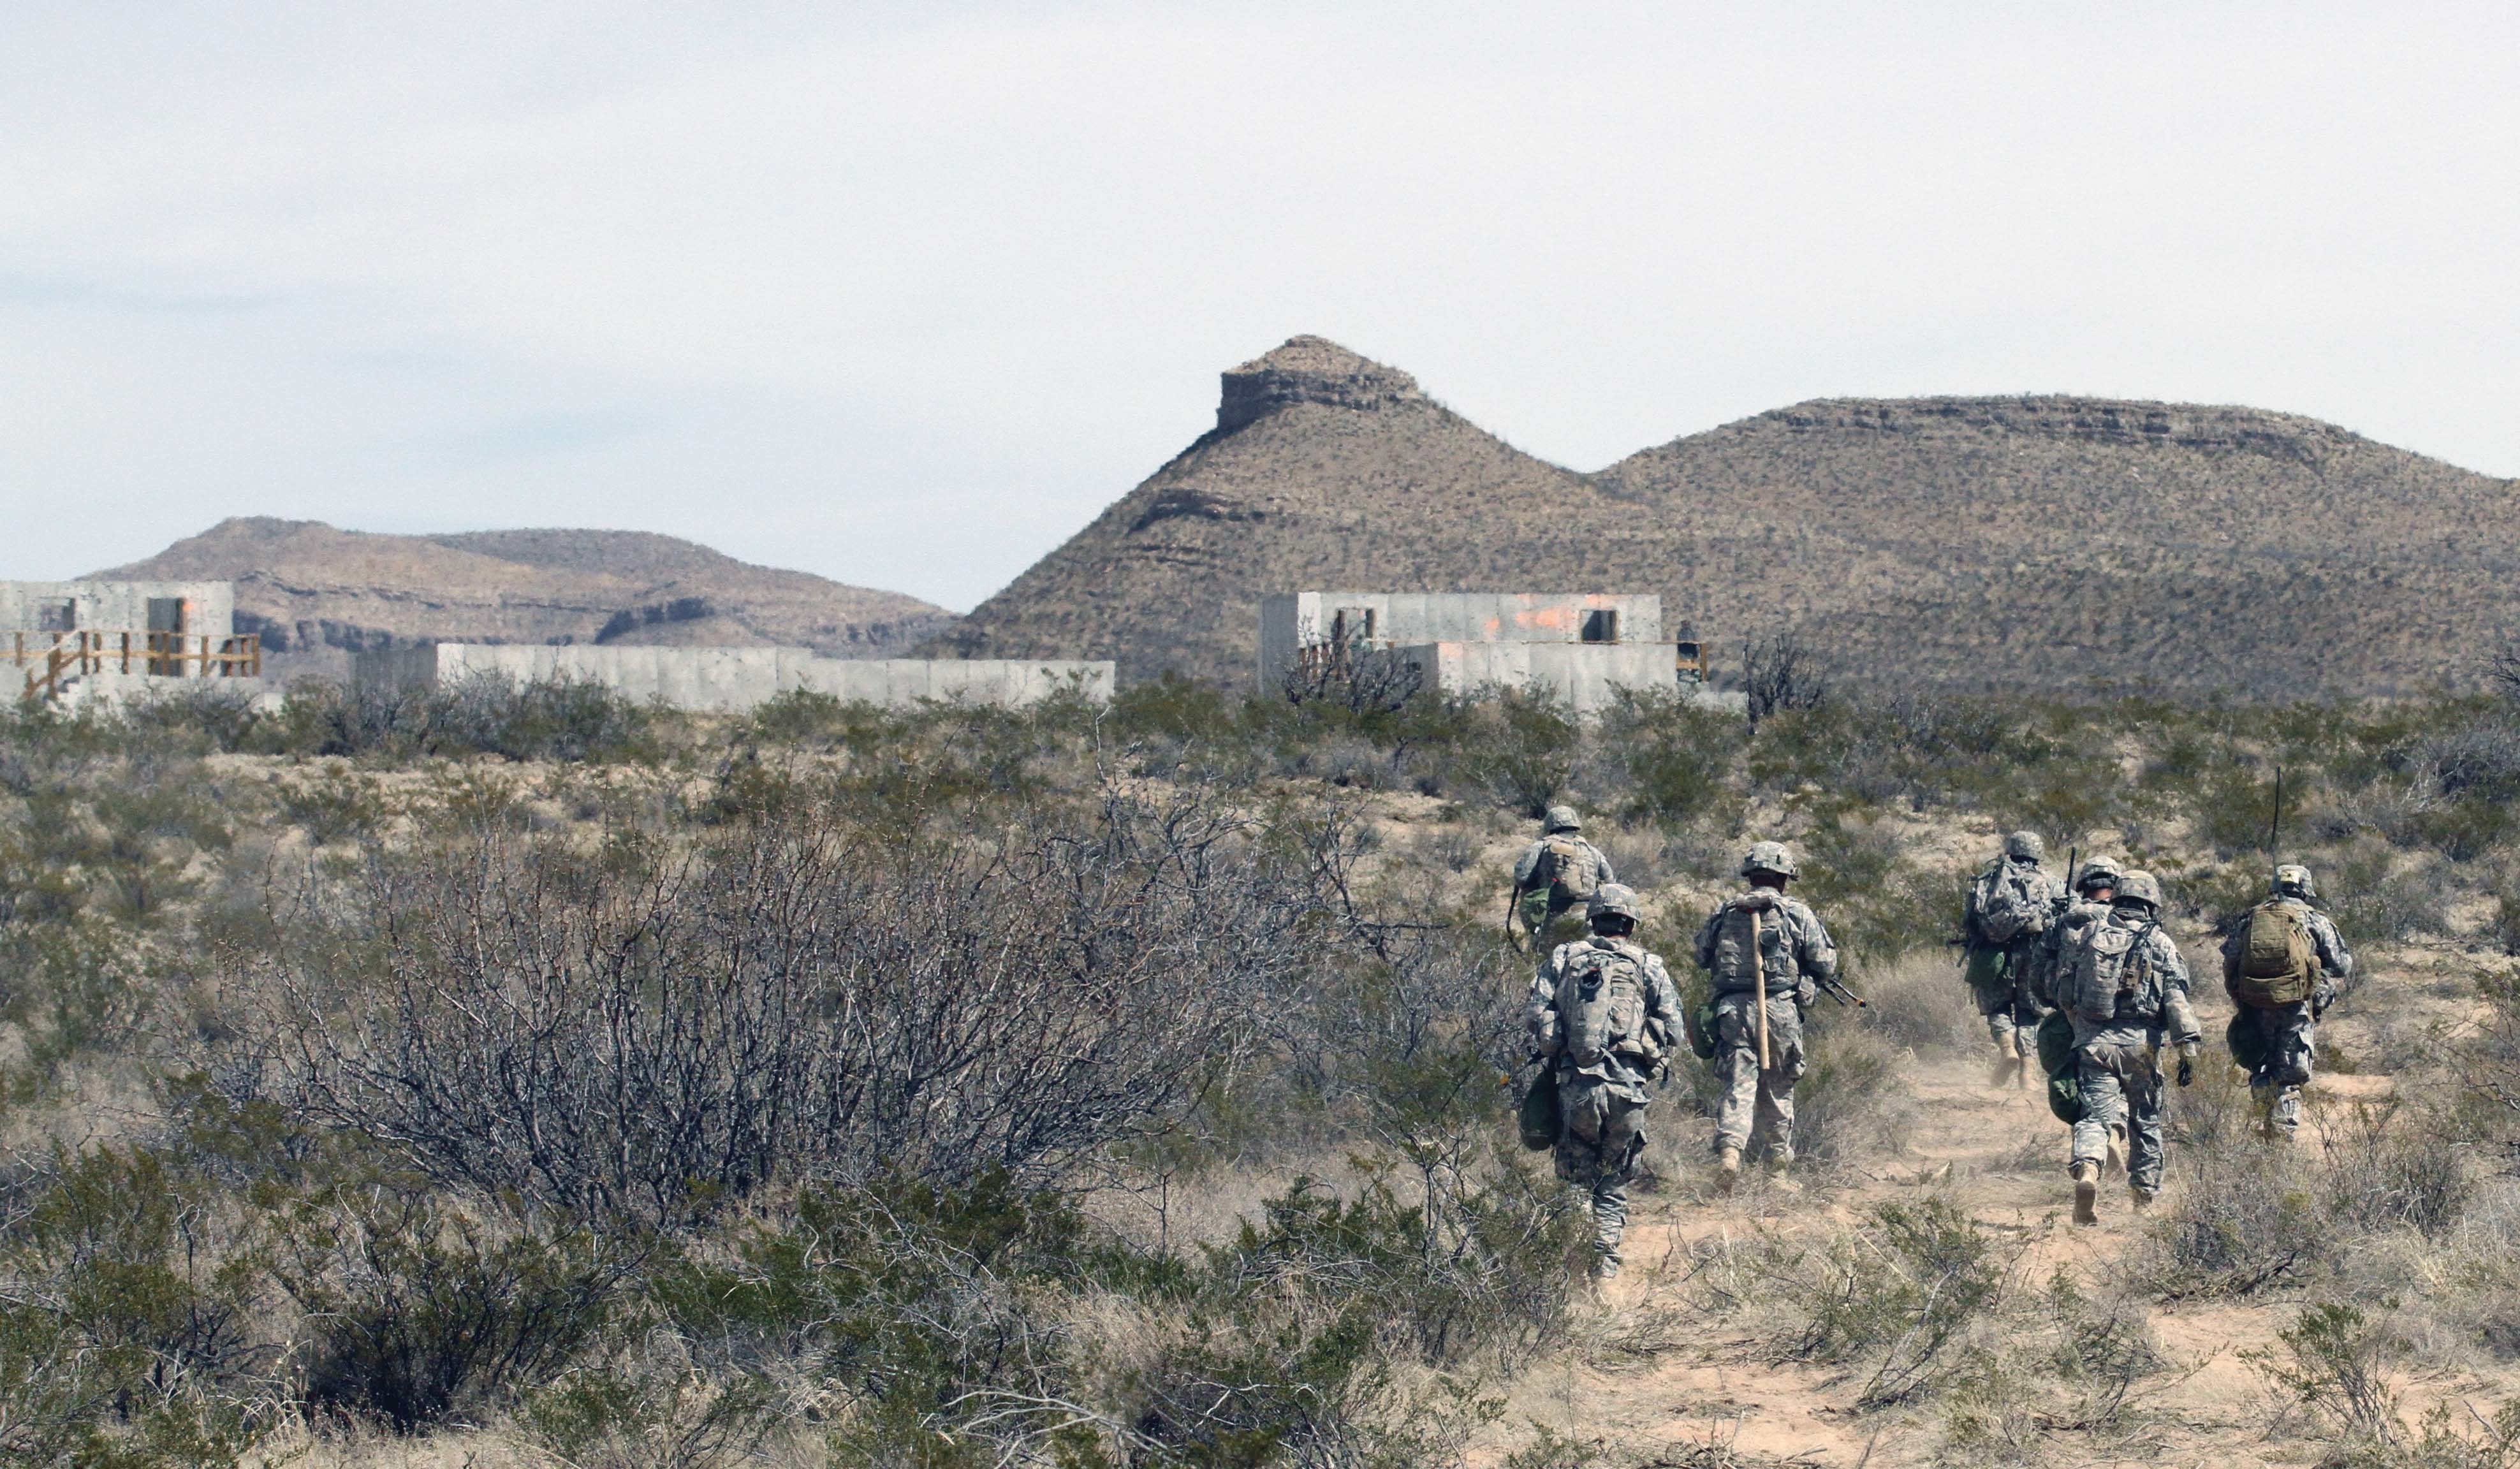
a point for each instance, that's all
(197, 608)
(1579, 647)
(116, 639)
(735, 678)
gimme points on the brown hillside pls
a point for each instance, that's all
(1989, 542)
(318, 594)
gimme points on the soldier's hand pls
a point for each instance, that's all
(2187, 1054)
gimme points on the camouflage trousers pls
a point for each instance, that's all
(1756, 1105)
(2290, 1033)
(1601, 1133)
(2122, 1093)
(2013, 1012)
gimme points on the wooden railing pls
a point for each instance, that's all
(48, 658)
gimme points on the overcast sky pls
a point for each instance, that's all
(903, 295)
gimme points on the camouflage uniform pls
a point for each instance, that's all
(1549, 914)
(2119, 1032)
(2289, 1033)
(1794, 948)
(1601, 1100)
(2019, 903)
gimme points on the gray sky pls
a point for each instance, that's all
(905, 297)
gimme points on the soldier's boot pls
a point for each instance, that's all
(1605, 1264)
(2115, 1166)
(2086, 1193)
(1728, 1168)
(2006, 1070)
(1780, 1167)
(2142, 1196)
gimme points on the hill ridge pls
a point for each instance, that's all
(1994, 540)
(317, 593)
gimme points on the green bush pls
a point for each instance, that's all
(418, 1310)
(126, 1334)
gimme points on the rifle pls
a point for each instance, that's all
(1841, 994)
(1513, 906)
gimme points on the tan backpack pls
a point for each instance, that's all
(2275, 961)
(1600, 1000)
(1573, 875)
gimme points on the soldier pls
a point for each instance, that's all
(1556, 879)
(2095, 888)
(2125, 988)
(1763, 949)
(2009, 908)
(2282, 966)
(1603, 1013)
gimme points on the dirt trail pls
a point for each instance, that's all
(1655, 1377)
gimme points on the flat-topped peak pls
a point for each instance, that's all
(1310, 370)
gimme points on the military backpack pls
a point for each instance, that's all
(1574, 873)
(1600, 1002)
(1737, 969)
(1991, 916)
(2275, 961)
(2103, 970)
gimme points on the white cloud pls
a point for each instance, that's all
(905, 298)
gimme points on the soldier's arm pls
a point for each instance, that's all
(2333, 956)
(1813, 951)
(1609, 873)
(1706, 941)
(1525, 866)
(2178, 1015)
(1540, 1011)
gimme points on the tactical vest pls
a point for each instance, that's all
(1600, 1000)
(1574, 876)
(1733, 971)
(2277, 961)
(2105, 973)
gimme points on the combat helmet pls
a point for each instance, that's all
(1770, 858)
(2293, 880)
(2096, 873)
(1561, 819)
(2025, 846)
(2139, 886)
(1613, 899)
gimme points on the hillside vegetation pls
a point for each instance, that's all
(517, 1077)
(2066, 545)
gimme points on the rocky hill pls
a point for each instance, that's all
(1999, 542)
(317, 594)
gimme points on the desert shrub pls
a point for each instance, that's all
(929, 1323)
(2386, 1167)
(1673, 757)
(2244, 1219)
(2376, 898)
(1851, 1103)
(418, 1312)
(1519, 747)
(1922, 1003)
(126, 1319)
(631, 1026)
(1899, 1292)
(540, 719)
(2333, 1360)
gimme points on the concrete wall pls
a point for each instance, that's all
(735, 679)
(1582, 675)
(1295, 620)
(115, 606)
